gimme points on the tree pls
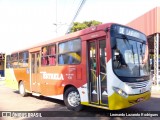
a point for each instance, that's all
(79, 26)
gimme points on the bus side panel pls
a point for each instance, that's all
(53, 79)
(14, 75)
(83, 88)
(10, 79)
(21, 74)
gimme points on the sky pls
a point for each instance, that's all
(24, 23)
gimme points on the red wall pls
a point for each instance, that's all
(149, 23)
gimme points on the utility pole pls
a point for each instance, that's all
(56, 20)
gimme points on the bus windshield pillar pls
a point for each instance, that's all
(156, 58)
(157, 39)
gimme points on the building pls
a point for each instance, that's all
(149, 23)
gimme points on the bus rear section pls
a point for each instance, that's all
(17, 70)
(104, 66)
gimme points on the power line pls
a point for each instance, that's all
(63, 14)
(75, 16)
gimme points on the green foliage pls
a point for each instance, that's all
(79, 26)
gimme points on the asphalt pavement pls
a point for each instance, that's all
(10, 100)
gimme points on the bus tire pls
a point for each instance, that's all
(72, 99)
(22, 91)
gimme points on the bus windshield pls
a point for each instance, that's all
(130, 58)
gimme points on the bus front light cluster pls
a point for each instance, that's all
(120, 92)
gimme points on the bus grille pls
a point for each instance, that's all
(138, 84)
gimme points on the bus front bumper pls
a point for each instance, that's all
(117, 102)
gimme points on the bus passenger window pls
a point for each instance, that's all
(70, 52)
(52, 60)
(61, 61)
(52, 50)
(48, 55)
(23, 59)
(44, 60)
(14, 60)
(8, 61)
(52, 55)
(44, 56)
(70, 61)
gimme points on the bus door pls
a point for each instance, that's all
(97, 72)
(35, 81)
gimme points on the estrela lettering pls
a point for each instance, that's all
(52, 76)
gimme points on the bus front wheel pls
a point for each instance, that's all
(72, 99)
(22, 89)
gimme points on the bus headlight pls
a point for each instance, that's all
(120, 92)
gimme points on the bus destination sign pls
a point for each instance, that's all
(130, 32)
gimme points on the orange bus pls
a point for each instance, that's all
(104, 66)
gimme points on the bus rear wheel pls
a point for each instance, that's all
(72, 99)
(22, 89)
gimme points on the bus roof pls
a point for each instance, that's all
(73, 35)
(76, 34)
(69, 36)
